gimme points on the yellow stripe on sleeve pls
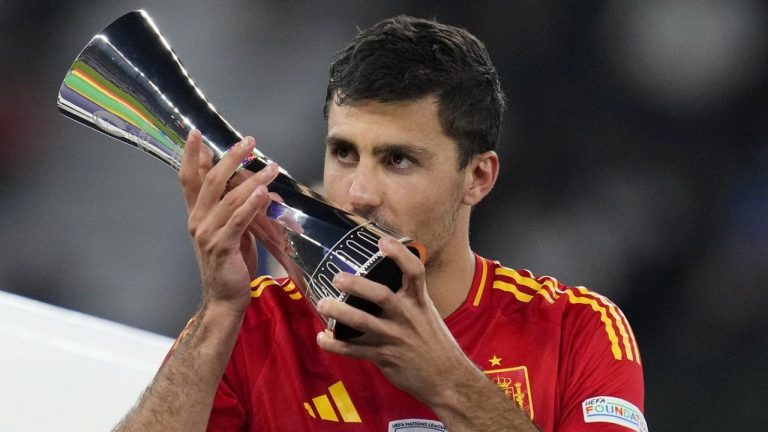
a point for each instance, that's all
(634, 342)
(256, 282)
(525, 281)
(508, 287)
(290, 286)
(617, 319)
(603, 317)
(259, 284)
(550, 283)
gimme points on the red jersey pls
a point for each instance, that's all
(566, 356)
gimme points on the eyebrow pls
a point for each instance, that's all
(419, 152)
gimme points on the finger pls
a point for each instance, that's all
(234, 199)
(412, 268)
(351, 316)
(366, 289)
(215, 180)
(238, 222)
(206, 161)
(188, 172)
(326, 342)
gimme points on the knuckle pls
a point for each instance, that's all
(192, 223)
(362, 321)
(199, 238)
(413, 277)
(203, 240)
(207, 247)
(336, 347)
(236, 224)
(417, 270)
(212, 178)
(383, 298)
(387, 356)
(186, 176)
(230, 201)
(186, 182)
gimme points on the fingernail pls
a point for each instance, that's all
(320, 303)
(261, 191)
(246, 142)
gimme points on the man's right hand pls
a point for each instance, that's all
(218, 222)
(182, 393)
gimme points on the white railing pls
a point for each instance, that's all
(67, 371)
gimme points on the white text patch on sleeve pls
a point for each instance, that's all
(613, 410)
(416, 425)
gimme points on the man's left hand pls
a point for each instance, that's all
(408, 341)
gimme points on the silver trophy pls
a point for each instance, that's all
(128, 83)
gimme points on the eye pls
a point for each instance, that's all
(400, 161)
(344, 154)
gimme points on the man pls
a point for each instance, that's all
(413, 111)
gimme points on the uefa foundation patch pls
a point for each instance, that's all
(608, 409)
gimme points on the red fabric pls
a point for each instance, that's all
(549, 348)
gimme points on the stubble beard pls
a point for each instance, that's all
(441, 234)
(437, 235)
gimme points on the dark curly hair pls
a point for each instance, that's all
(405, 58)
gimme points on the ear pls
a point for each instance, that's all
(480, 176)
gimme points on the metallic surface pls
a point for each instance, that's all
(129, 84)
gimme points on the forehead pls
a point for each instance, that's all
(370, 123)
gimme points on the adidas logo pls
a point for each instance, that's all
(338, 405)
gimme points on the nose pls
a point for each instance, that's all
(365, 193)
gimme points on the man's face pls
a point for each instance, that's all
(392, 163)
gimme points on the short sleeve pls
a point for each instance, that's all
(600, 378)
(227, 413)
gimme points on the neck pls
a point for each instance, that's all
(449, 274)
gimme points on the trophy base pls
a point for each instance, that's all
(387, 273)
